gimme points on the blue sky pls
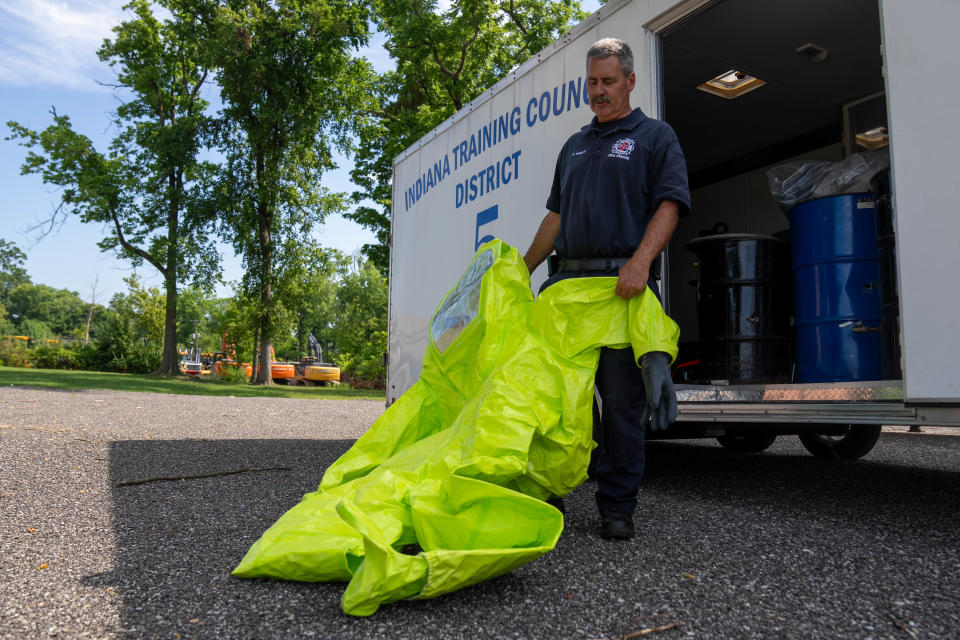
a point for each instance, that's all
(48, 59)
(47, 48)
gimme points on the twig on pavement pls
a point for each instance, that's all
(904, 627)
(127, 483)
(648, 630)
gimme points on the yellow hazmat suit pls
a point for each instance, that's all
(500, 420)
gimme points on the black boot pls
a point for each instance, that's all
(616, 526)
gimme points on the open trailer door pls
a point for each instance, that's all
(920, 62)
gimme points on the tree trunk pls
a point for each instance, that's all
(169, 364)
(300, 336)
(266, 295)
(254, 358)
(265, 360)
(86, 331)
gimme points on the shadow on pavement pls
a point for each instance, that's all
(897, 485)
(177, 541)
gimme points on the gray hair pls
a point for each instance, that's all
(612, 47)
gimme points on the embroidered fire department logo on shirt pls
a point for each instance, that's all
(622, 149)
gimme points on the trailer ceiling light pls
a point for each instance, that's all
(731, 84)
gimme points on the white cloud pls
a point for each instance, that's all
(49, 43)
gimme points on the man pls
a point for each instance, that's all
(619, 189)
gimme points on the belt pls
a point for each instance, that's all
(592, 264)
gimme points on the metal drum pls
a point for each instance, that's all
(743, 307)
(836, 285)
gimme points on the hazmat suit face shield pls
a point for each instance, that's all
(461, 305)
(472, 324)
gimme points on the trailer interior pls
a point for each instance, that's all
(820, 83)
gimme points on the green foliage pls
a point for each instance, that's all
(290, 91)
(197, 309)
(149, 189)
(305, 290)
(120, 346)
(361, 320)
(12, 273)
(13, 352)
(142, 310)
(48, 311)
(38, 330)
(443, 61)
(54, 356)
(234, 374)
(6, 327)
(233, 320)
(127, 336)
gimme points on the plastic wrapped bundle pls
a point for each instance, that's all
(798, 182)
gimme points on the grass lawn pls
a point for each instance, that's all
(59, 379)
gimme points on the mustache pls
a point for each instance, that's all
(601, 99)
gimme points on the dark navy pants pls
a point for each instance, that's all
(620, 457)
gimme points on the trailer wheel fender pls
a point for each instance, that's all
(852, 446)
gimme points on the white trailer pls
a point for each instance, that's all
(486, 172)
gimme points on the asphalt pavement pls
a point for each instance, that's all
(772, 545)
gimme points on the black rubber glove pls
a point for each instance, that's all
(661, 408)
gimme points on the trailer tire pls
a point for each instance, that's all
(852, 446)
(754, 443)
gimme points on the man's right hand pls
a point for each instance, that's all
(632, 279)
(661, 408)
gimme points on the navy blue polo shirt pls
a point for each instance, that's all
(610, 179)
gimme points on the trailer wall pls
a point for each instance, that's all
(486, 172)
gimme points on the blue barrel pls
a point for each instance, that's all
(836, 289)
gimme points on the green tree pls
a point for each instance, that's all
(143, 312)
(306, 287)
(317, 315)
(195, 311)
(120, 345)
(46, 311)
(6, 327)
(233, 320)
(360, 319)
(443, 61)
(12, 273)
(149, 188)
(290, 91)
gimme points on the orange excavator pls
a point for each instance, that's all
(311, 370)
(281, 372)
